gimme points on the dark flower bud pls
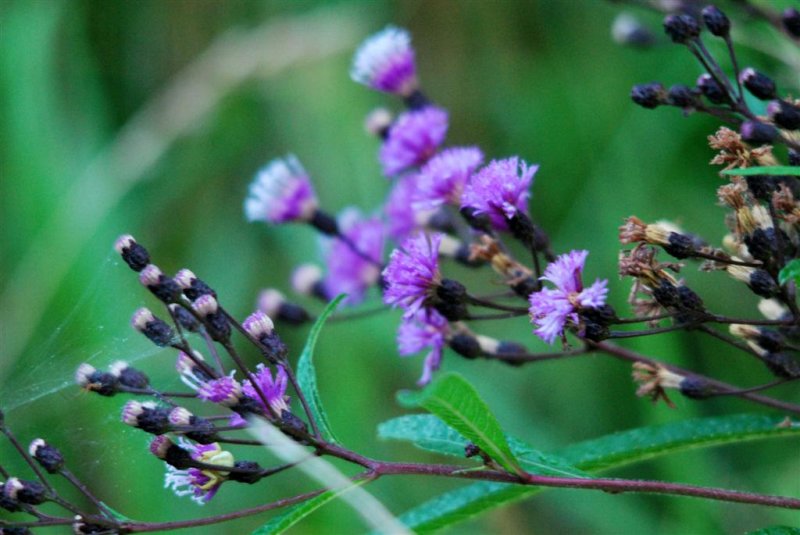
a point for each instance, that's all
(784, 114)
(191, 286)
(689, 299)
(451, 297)
(325, 223)
(603, 315)
(184, 318)
(15, 530)
(679, 245)
(81, 527)
(127, 376)
(274, 304)
(471, 450)
(253, 474)
(594, 331)
(791, 21)
(89, 378)
(48, 456)
(155, 329)
(416, 100)
(378, 122)
(216, 322)
(169, 452)
(627, 30)
(716, 21)
(260, 326)
(695, 388)
(7, 503)
(307, 279)
(477, 220)
(465, 345)
(132, 253)
(163, 287)
(710, 89)
(763, 284)
(506, 347)
(758, 133)
(649, 95)
(782, 365)
(22, 491)
(293, 423)
(522, 228)
(794, 157)
(760, 85)
(762, 244)
(761, 186)
(682, 96)
(464, 257)
(202, 430)
(666, 294)
(525, 287)
(681, 28)
(147, 416)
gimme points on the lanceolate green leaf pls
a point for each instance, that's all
(295, 514)
(307, 376)
(779, 170)
(790, 271)
(600, 454)
(429, 433)
(776, 530)
(457, 403)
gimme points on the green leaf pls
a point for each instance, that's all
(776, 530)
(114, 513)
(429, 433)
(307, 376)
(457, 403)
(295, 514)
(604, 453)
(778, 170)
(790, 271)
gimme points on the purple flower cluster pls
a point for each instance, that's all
(281, 192)
(552, 309)
(412, 274)
(348, 271)
(201, 485)
(273, 387)
(500, 190)
(425, 329)
(401, 220)
(385, 62)
(443, 178)
(413, 138)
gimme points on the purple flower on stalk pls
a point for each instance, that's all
(551, 309)
(413, 139)
(280, 193)
(426, 329)
(401, 219)
(226, 391)
(443, 178)
(413, 273)
(348, 271)
(201, 485)
(273, 387)
(385, 62)
(500, 190)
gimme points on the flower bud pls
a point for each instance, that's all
(784, 114)
(155, 329)
(682, 96)
(184, 318)
(192, 286)
(710, 89)
(627, 30)
(451, 300)
(649, 95)
(759, 85)
(132, 253)
(48, 456)
(465, 345)
(22, 491)
(681, 28)
(163, 287)
(716, 21)
(127, 376)
(215, 320)
(791, 21)
(89, 378)
(169, 452)
(253, 474)
(147, 416)
(756, 132)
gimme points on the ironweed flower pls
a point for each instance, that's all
(425, 329)
(226, 391)
(200, 484)
(401, 220)
(348, 271)
(413, 139)
(281, 192)
(551, 309)
(385, 62)
(273, 387)
(442, 179)
(500, 190)
(412, 275)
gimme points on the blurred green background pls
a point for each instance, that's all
(151, 117)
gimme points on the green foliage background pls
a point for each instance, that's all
(540, 79)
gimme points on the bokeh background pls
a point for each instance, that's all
(151, 117)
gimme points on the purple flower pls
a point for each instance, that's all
(385, 62)
(274, 388)
(500, 190)
(443, 178)
(426, 329)
(226, 391)
(281, 192)
(402, 220)
(201, 485)
(551, 309)
(413, 139)
(413, 273)
(348, 271)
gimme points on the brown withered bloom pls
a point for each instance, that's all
(489, 250)
(735, 153)
(655, 379)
